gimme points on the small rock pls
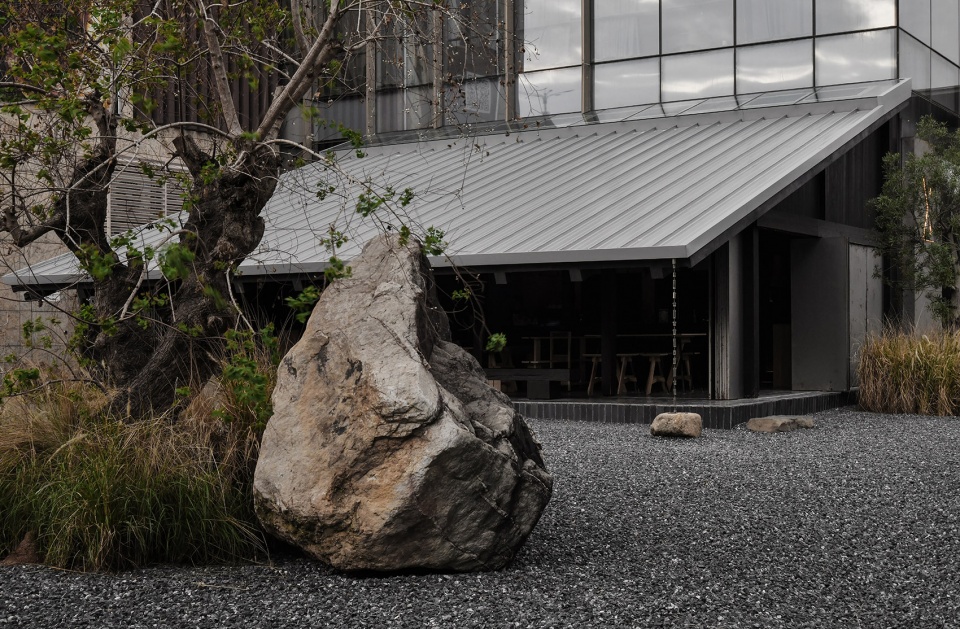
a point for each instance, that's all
(804, 422)
(779, 423)
(677, 425)
(25, 553)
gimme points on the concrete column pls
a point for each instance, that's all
(727, 322)
(750, 272)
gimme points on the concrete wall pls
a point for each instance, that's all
(15, 311)
(923, 321)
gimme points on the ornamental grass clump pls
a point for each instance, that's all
(903, 372)
(101, 494)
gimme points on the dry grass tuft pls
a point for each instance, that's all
(903, 372)
(101, 494)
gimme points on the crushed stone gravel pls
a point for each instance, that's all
(855, 523)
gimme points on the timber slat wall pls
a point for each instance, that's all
(136, 199)
(189, 95)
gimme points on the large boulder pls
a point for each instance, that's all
(387, 449)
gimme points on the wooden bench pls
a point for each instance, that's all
(538, 380)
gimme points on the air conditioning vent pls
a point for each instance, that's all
(136, 199)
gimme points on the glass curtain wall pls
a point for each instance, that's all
(645, 52)
(929, 43)
(473, 63)
(406, 72)
(653, 51)
(339, 102)
(405, 75)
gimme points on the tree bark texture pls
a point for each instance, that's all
(224, 227)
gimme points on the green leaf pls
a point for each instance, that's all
(496, 342)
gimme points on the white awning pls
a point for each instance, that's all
(657, 188)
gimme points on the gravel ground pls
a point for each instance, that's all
(852, 524)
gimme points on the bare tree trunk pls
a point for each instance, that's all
(223, 228)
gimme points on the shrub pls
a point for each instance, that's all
(903, 372)
(100, 493)
(240, 395)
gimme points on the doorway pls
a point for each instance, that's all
(775, 311)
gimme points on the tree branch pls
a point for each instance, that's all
(196, 126)
(143, 274)
(106, 124)
(302, 148)
(302, 43)
(23, 87)
(320, 53)
(219, 71)
(22, 237)
(191, 154)
(60, 381)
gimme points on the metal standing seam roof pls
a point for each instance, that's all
(628, 191)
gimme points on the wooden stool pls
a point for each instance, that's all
(594, 371)
(656, 371)
(685, 371)
(623, 377)
(561, 352)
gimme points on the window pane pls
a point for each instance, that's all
(417, 59)
(914, 62)
(775, 66)
(551, 33)
(837, 16)
(856, 57)
(549, 92)
(946, 29)
(699, 75)
(945, 82)
(389, 62)
(348, 111)
(405, 54)
(351, 79)
(481, 100)
(846, 92)
(627, 113)
(696, 24)
(915, 18)
(389, 111)
(472, 40)
(944, 73)
(678, 107)
(626, 83)
(763, 20)
(399, 110)
(417, 108)
(625, 28)
(724, 103)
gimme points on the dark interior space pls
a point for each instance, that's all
(265, 302)
(557, 319)
(774, 294)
